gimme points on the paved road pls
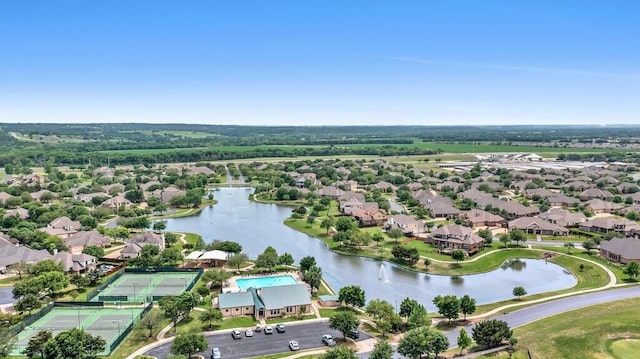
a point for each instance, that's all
(308, 337)
(547, 309)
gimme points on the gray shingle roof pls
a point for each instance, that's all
(232, 300)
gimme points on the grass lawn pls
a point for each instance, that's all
(139, 337)
(331, 312)
(609, 330)
(291, 318)
(615, 268)
(193, 324)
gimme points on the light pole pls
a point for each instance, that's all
(134, 291)
(78, 309)
(185, 282)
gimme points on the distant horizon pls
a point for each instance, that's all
(331, 63)
(349, 125)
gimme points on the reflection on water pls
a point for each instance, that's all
(515, 264)
(256, 226)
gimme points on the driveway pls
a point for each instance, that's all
(308, 337)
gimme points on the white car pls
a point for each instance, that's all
(293, 345)
(328, 340)
(268, 329)
(248, 333)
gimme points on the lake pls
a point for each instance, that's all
(256, 226)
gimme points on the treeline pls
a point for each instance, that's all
(39, 158)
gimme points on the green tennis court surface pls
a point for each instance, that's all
(108, 323)
(146, 287)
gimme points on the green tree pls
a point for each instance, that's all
(588, 245)
(28, 303)
(95, 251)
(326, 223)
(519, 291)
(73, 344)
(151, 321)
(423, 340)
(313, 277)
(53, 281)
(517, 236)
(506, 239)
(35, 348)
(345, 224)
(379, 308)
(236, 260)
(45, 266)
(418, 318)
(491, 332)
(569, 246)
(352, 295)
(448, 306)
(188, 344)
(216, 276)
(464, 340)
(486, 234)
(377, 237)
(339, 352)
(159, 226)
(20, 268)
(268, 258)
(395, 233)
(286, 259)
(381, 350)
(632, 269)
(407, 306)
(306, 263)
(344, 322)
(210, 315)
(458, 255)
(467, 305)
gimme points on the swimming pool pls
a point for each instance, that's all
(261, 282)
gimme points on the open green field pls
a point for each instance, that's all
(609, 330)
(453, 148)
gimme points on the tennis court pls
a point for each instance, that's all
(109, 323)
(146, 287)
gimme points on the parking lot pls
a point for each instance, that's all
(309, 336)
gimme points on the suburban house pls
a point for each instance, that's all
(370, 217)
(330, 191)
(442, 210)
(621, 250)
(562, 200)
(11, 253)
(563, 218)
(479, 218)
(456, 237)
(75, 262)
(116, 202)
(62, 227)
(600, 206)
(605, 225)
(409, 225)
(267, 302)
(77, 242)
(595, 193)
(538, 225)
(19, 212)
(134, 245)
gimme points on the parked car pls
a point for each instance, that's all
(215, 353)
(328, 340)
(236, 334)
(268, 330)
(354, 333)
(293, 345)
(248, 333)
(258, 328)
(280, 328)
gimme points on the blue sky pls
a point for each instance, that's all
(449, 62)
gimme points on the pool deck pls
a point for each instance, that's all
(231, 286)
